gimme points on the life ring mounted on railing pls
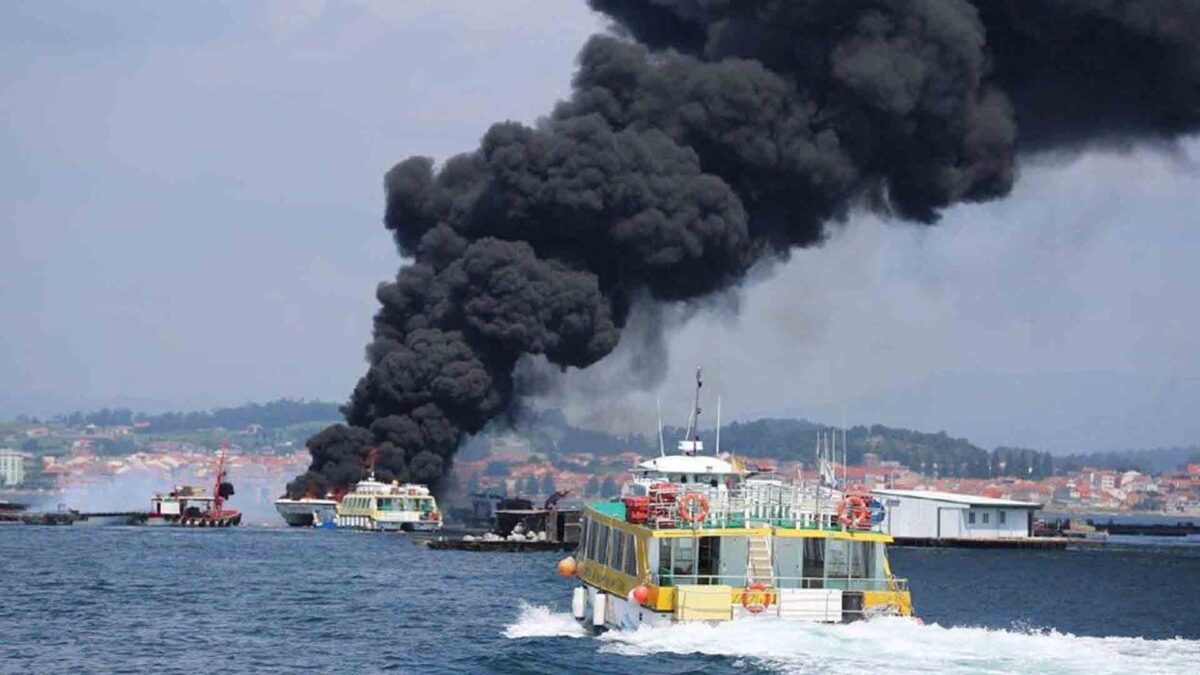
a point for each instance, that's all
(756, 597)
(854, 513)
(693, 508)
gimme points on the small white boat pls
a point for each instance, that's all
(305, 512)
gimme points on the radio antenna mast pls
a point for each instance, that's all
(662, 448)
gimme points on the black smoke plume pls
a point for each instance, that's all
(703, 136)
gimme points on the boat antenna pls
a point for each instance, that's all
(662, 449)
(845, 452)
(718, 425)
(693, 431)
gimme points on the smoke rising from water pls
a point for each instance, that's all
(707, 136)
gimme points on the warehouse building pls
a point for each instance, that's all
(921, 514)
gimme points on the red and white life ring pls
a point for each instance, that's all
(854, 513)
(756, 598)
(693, 508)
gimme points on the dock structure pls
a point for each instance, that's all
(1042, 543)
(496, 545)
(947, 516)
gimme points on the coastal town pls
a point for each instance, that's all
(85, 468)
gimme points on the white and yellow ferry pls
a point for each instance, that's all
(698, 537)
(388, 507)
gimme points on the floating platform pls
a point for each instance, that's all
(1178, 529)
(496, 545)
(1043, 543)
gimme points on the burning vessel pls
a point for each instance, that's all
(195, 506)
(701, 537)
(306, 511)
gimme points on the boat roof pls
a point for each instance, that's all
(956, 498)
(305, 500)
(690, 464)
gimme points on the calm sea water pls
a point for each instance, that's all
(253, 600)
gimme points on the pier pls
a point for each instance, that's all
(1043, 543)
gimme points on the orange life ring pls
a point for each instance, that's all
(853, 512)
(693, 507)
(762, 597)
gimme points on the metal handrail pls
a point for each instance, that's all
(787, 582)
(752, 504)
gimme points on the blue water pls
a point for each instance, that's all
(252, 600)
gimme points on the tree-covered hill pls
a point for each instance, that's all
(272, 415)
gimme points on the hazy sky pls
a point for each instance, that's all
(191, 196)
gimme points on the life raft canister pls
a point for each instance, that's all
(853, 512)
(693, 507)
(756, 597)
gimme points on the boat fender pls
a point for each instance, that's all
(567, 566)
(578, 603)
(640, 594)
(599, 603)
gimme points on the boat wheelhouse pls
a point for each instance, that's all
(388, 507)
(700, 537)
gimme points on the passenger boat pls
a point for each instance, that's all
(702, 537)
(194, 506)
(307, 511)
(388, 507)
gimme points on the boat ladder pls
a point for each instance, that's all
(758, 567)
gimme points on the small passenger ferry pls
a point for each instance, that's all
(699, 537)
(388, 507)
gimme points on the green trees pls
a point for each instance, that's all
(609, 488)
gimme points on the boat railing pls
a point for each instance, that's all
(752, 504)
(669, 579)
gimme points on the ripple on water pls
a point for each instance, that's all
(253, 600)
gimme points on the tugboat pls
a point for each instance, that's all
(388, 507)
(194, 506)
(704, 537)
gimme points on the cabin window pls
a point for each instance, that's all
(629, 563)
(683, 558)
(846, 560)
(387, 504)
(584, 537)
(664, 561)
(707, 556)
(813, 562)
(971, 517)
(618, 550)
(985, 518)
(602, 545)
(1003, 517)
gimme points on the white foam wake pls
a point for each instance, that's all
(540, 621)
(901, 645)
(882, 645)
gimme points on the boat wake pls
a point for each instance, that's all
(539, 621)
(883, 645)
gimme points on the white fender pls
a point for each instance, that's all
(598, 607)
(578, 605)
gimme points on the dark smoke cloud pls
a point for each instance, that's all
(706, 136)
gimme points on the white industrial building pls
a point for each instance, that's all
(12, 467)
(922, 514)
